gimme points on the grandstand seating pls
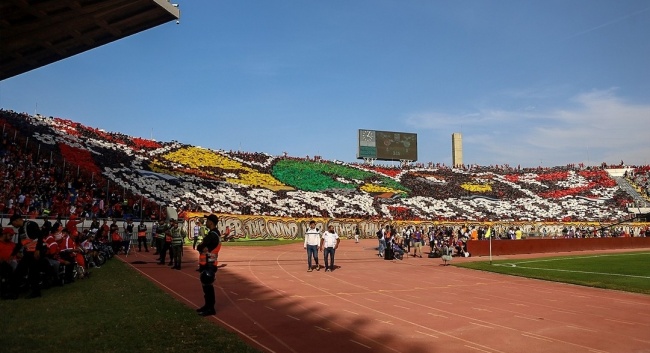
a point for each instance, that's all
(103, 169)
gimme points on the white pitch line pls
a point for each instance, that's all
(270, 308)
(351, 312)
(293, 317)
(573, 271)
(578, 258)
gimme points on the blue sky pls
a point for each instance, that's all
(526, 82)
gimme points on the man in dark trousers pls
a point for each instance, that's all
(30, 236)
(208, 256)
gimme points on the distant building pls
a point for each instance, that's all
(456, 149)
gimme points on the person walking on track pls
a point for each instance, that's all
(329, 243)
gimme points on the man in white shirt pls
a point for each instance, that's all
(329, 243)
(312, 239)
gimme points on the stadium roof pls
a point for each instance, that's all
(35, 33)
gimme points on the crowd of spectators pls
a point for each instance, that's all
(38, 183)
(39, 254)
(640, 178)
(112, 175)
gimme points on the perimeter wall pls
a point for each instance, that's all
(540, 236)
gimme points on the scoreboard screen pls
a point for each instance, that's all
(387, 145)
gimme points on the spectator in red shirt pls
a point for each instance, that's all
(52, 253)
(71, 226)
(67, 255)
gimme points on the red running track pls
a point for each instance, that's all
(265, 295)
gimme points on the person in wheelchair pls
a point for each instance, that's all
(90, 251)
(67, 255)
(397, 244)
(116, 242)
(51, 258)
(398, 251)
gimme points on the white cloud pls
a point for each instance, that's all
(591, 128)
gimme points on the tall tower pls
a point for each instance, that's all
(456, 149)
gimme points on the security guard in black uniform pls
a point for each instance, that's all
(208, 255)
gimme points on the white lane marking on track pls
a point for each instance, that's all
(478, 349)
(426, 334)
(477, 324)
(482, 309)
(624, 322)
(252, 338)
(438, 315)
(361, 344)
(566, 312)
(536, 337)
(581, 328)
(527, 318)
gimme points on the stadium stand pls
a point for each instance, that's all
(91, 172)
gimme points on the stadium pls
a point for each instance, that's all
(58, 168)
